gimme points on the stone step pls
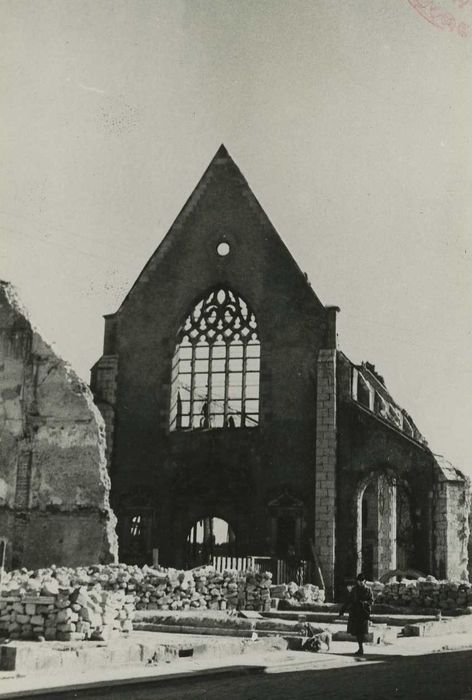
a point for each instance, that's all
(204, 631)
(377, 609)
(230, 625)
(204, 618)
(378, 634)
(333, 617)
(437, 628)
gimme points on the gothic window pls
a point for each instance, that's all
(135, 542)
(215, 369)
(136, 515)
(135, 526)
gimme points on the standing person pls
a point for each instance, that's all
(205, 411)
(358, 604)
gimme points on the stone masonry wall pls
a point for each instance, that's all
(451, 529)
(173, 478)
(325, 481)
(386, 526)
(458, 532)
(440, 527)
(432, 494)
(54, 483)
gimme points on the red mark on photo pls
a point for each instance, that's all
(441, 17)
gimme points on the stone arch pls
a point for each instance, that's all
(209, 536)
(376, 522)
(387, 496)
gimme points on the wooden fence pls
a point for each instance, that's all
(282, 571)
(234, 563)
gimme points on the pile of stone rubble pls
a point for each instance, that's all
(42, 609)
(201, 588)
(99, 601)
(298, 596)
(424, 593)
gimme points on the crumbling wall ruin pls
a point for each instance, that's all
(428, 530)
(451, 507)
(54, 484)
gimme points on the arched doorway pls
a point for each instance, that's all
(376, 524)
(208, 538)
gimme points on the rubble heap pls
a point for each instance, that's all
(41, 608)
(298, 596)
(424, 593)
(99, 601)
(201, 588)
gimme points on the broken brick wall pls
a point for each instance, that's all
(54, 485)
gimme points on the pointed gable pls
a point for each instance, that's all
(232, 215)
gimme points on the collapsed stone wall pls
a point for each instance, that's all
(67, 615)
(151, 588)
(99, 602)
(431, 531)
(54, 484)
(424, 593)
(204, 588)
(297, 596)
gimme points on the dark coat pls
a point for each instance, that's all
(358, 604)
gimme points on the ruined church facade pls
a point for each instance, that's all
(225, 396)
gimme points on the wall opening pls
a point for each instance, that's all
(364, 392)
(286, 526)
(286, 536)
(216, 364)
(376, 525)
(136, 517)
(135, 536)
(208, 538)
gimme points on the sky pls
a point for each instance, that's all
(350, 120)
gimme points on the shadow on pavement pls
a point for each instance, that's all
(430, 677)
(369, 657)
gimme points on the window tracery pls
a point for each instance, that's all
(215, 369)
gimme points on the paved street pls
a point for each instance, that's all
(441, 676)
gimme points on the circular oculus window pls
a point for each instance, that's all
(223, 249)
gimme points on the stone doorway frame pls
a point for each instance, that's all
(385, 555)
(286, 505)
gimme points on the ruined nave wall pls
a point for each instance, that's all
(54, 483)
